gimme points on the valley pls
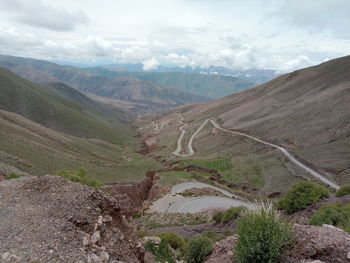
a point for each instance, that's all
(170, 164)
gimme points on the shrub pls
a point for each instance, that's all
(345, 190)
(231, 214)
(151, 247)
(13, 176)
(263, 235)
(198, 249)
(217, 217)
(175, 241)
(79, 176)
(302, 195)
(336, 214)
(163, 253)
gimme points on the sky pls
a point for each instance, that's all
(239, 34)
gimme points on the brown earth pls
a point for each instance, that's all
(132, 196)
(50, 219)
(306, 111)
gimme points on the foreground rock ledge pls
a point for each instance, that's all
(50, 219)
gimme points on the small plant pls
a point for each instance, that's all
(175, 241)
(151, 247)
(336, 214)
(13, 176)
(345, 190)
(263, 235)
(79, 176)
(302, 195)
(163, 253)
(231, 214)
(217, 217)
(228, 215)
(198, 249)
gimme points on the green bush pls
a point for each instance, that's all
(13, 176)
(163, 253)
(302, 195)
(175, 241)
(263, 235)
(198, 249)
(336, 214)
(231, 214)
(151, 247)
(79, 176)
(217, 217)
(345, 190)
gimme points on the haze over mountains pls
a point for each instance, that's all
(155, 90)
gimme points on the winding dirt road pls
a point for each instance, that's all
(177, 152)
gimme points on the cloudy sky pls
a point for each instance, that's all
(239, 34)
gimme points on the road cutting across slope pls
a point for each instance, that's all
(178, 153)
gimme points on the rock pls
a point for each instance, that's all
(86, 241)
(348, 256)
(94, 258)
(317, 261)
(152, 239)
(95, 237)
(104, 257)
(107, 218)
(310, 252)
(6, 255)
(332, 227)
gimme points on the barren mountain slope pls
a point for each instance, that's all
(307, 111)
(50, 219)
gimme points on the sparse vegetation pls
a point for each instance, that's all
(217, 164)
(344, 190)
(175, 241)
(79, 175)
(336, 214)
(13, 176)
(198, 249)
(217, 217)
(302, 195)
(228, 215)
(231, 214)
(263, 235)
(162, 252)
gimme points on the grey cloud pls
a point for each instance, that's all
(321, 15)
(36, 13)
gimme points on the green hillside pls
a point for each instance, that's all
(38, 150)
(61, 108)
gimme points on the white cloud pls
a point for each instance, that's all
(279, 34)
(150, 64)
(38, 14)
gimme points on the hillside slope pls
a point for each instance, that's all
(127, 89)
(307, 111)
(61, 108)
(211, 86)
(35, 149)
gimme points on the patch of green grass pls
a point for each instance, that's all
(228, 215)
(301, 195)
(263, 235)
(336, 214)
(198, 249)
(79, 176)
(344, 190)
(13, 176)
(220, 165)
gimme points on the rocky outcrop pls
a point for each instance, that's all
(50, 219)
(132, 196)
(325, 243)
